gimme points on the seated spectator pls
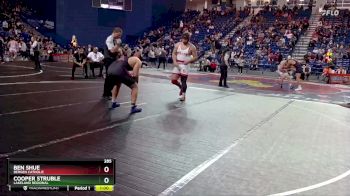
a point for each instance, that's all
(250, 41)
(255, 64)
(329, 53)
(206, 65)
(80, 61)
(95, 61)
(13, 47)
(307, 57)
(328, 59)
(289, 34)
(5, 25)
(341, 70)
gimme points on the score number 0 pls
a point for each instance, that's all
(106, 170)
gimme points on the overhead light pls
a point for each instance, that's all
(104, 5)
(116, 7)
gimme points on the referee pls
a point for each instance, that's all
(224, 67)
(112, 53)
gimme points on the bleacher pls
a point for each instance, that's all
(166, 22)
(222, 23)
(331, 38)
(270, 18)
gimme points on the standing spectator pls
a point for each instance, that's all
(79, 61)
(89, 48)
(23, 50)
(152, 55)
(74, 41)
(162, 57)
(35, 48)
(306, 71)
(50, 51)
(95, 58)
(240, 64)
(232, 58)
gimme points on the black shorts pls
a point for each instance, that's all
(95, 65)
(122, 79)
(299, 69)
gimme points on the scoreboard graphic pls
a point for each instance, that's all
(61, 175)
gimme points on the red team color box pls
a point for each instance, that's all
(61, 175)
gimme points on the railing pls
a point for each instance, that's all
(301, 41)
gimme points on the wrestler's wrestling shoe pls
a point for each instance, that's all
(135, 109)
(115, 105)
(182, 98)
(298, 89)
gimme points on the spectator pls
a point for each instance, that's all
(23, 50)
(162, 57)
(306, 57)
(213, 65)
(206, 65)
(152, 55)
(306, 71)
(74, 42)
(79, 61)
(95, 61)
(240, 64)
(255, 63)
(341, 70)
(5, 25)
(89, 48)
(13, 48)
(325, 75)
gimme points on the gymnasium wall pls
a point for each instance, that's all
(92, 25)
(46, 9)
